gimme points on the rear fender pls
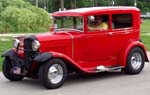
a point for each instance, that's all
(126, 50)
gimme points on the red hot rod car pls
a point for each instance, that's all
(90, 40)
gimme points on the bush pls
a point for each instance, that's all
(20, 16)
(144, 6)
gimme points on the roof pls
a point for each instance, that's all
(90, 10)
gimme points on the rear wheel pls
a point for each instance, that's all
(53, 73)
(6, 69)
(135, 61)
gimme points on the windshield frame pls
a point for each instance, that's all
(62, 21)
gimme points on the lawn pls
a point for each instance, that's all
(145, 26)
(6, 42)
(145, 33)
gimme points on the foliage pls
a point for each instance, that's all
(144, 6)
(20, 16)
(54, 5)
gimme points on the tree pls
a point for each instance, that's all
(54, 5)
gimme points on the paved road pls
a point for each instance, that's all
(114, 83)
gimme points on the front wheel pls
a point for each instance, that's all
(53, 73)
(6, 69)
(135, 61)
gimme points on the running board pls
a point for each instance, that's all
(103, 68)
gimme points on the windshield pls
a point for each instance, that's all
(68, 22)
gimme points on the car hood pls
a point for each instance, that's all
(44, 37)
(55, 41)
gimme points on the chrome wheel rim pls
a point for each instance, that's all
(55, 73)
(136, 60)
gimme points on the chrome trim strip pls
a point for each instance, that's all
(72, 37)
(103, 68)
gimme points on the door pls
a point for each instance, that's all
(122, 32)
(97, 43)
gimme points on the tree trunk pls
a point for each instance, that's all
(62, 5)
(37, 3)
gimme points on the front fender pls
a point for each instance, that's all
(71, 61)
(9, 53)
(126, 50)
(14, 57)
(43, 57)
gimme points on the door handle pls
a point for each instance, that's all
(127, 32)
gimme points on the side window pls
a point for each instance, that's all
(121, 21)
(98, 22)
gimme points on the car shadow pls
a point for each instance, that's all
(85, 78)
(27, 83)
(73, 79)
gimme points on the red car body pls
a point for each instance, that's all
(88, 51)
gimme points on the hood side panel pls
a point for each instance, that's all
(57, 42)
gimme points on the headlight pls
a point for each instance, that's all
(16, 42)
(35, 45)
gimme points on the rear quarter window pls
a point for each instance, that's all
(122, 21)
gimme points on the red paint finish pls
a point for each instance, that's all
(88, 49)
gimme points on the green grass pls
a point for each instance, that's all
(146, 41)
(145, 28)
(145, 33)
(5, 43)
